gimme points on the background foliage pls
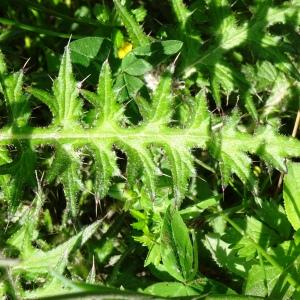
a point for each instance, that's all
(173, 173)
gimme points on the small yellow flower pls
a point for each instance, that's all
(124, 50)
(257, 171)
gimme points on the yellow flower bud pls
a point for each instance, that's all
(124, 50)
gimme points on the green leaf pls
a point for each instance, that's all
(23, 237)
(267, 281)
(259, 233)
(165, 47)
(135, 32)
(161, 106)
(132, 85)
(141, 165)
(105, 168)
(176, 247)
(21, 174)
(66, 92)
(84, 50)
(15, 100)
(230, 146)
(66, 167)
(104, 100)
(181, 12)
(291, 194)
(170, 289)
(3, 67)
(135, 66)
(273, 214)
(56, 259)
(199, 116)
(181, 161)
(47, 99)
(226, 257)
(171, 47)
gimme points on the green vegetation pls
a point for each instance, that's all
(149, 150)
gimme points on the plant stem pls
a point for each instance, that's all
(141, 135)
(38, 29)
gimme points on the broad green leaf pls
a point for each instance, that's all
(176, 247)
(84, 50)
(170, 289)
(273, 214)
(132, 85)
(267, 281)
(127, 86)
(226, 257)
(193, 211)
(257, 231)
(135, 66)
(291, 194)
(156, 48)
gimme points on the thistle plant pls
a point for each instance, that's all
(69, 136)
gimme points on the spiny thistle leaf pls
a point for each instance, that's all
(21, 171)
(64, 104)
(161, 107)
(66, 166)
(22, 239)
(56, 259)
(140, 164)
(199, 115)
(104, 100)
(231, 145)
(16, 102)
(228, 145)
(105, 168)
(135, 32)
(181, 162)
(181, 12)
